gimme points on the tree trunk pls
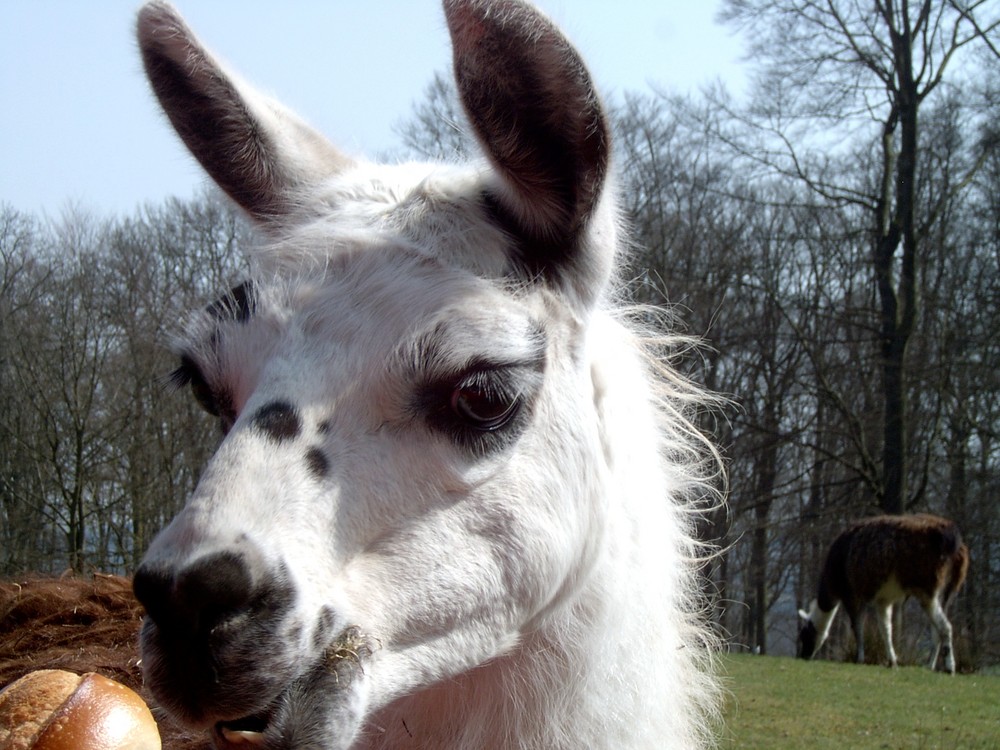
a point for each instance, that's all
(896, 230)
(767, 471)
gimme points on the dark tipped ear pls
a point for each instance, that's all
(534, 108)
(255, 150)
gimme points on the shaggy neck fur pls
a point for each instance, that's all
(587, 672)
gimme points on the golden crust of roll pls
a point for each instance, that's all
(51, 709)
(29, 704)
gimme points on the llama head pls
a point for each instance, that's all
(412, 474)
(807, 636)
(814, 627)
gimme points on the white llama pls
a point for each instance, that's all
(453, 505)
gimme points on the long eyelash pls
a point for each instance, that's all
(180, 376)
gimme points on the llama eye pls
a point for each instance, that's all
(483, 408)
(216, 403)
(189, 374)
(204, 395)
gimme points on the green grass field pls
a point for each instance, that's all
(779, 703)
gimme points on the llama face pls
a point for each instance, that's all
(809, 637)
(412, 475)
(383, 471)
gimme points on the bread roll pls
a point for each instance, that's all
(55, 710)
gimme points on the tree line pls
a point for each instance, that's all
(833, 237)
(97, 451)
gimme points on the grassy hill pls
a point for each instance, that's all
(779, 703)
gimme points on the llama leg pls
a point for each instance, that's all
(857, 625)
(942, 635)
(936, 633)
(884, 613)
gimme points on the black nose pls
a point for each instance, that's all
(197, 597)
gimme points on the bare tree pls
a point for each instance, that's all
(22, 282)
(97, 451)
(437, 129)
(60, 346)
(842, 72)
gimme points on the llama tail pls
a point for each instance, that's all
(959, 568)
(950, 538)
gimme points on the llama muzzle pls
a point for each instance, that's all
(323, 708)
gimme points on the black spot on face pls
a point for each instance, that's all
(318, 463)
(278, 420)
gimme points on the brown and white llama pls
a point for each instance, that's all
(453, 506)
(885, 560)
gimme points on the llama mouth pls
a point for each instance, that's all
(248, 731)
(312, 695)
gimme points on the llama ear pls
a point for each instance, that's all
(803, 615)
(255, 150)
(535, 111)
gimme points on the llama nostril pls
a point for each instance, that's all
(198, 597)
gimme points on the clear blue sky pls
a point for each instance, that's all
(79, 125)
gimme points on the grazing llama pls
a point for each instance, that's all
(453, 504)
(887, 559)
